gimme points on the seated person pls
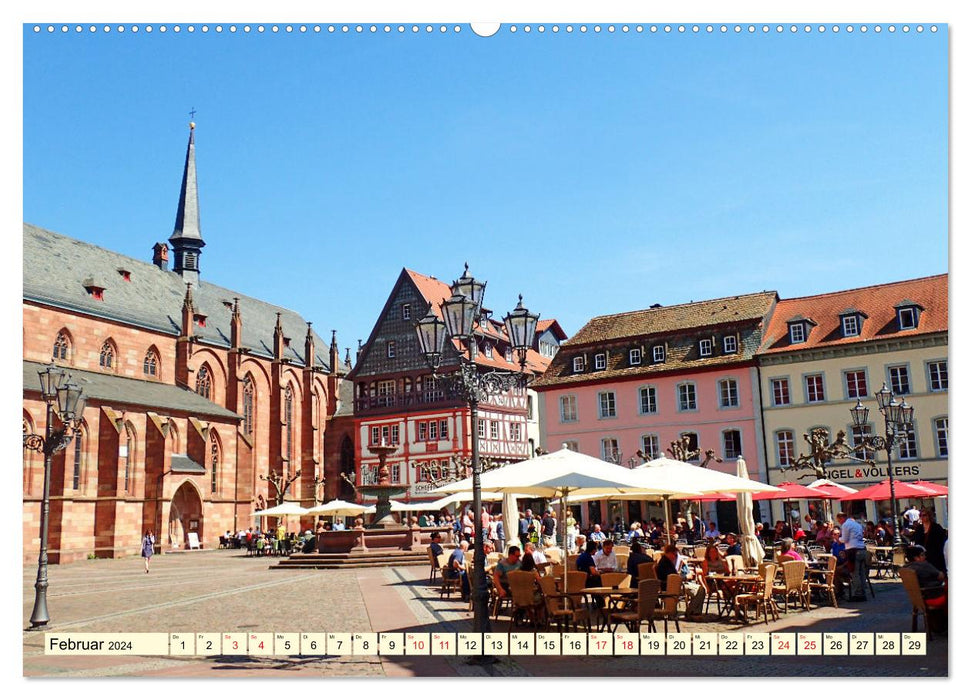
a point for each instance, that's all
(734, 546)
(635, 559)
(586, 564)
(787, 552)
(714, 562)
(510, 563)
(581, 543)
(605, 560)
(928, 575)
(456, 567)
(670, 564)
(436, 545)
(635, 532)
(712, 532)
(597, 535)
(539, 559)
(529, 565)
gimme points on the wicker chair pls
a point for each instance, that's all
(553, 555)
(621, 550)
(615, 580)
(560, 608)
(669, 603)
(647, 598)
(827, 584)
(434, 564)
(735, 563)
(645, 571)
(449, 583)
(761, 599)
(882, 567)
(794, 582)
(917, 601)
(522, 587)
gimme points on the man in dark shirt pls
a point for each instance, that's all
(931, 536)
(636, 558)
(436, 544)
(585, 563)
(549, 525)
(456, 567)
(733, 545)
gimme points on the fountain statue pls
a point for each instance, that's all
(382, 490)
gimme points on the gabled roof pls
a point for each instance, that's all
(553, 326)
(666, 319)
(878, 302)
(55, 268)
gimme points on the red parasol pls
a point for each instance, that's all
(938, 489)
(833, 490)
(789, 492)
(881, 491)
(715, 497)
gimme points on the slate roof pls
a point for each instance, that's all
(677, 327)
(877, 302)
(56, 266)
(114, 391)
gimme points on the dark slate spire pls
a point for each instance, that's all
(187, 240)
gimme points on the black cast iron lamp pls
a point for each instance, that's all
(431, 338)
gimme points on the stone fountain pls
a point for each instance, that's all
(382, 490)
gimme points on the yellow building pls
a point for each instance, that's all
(821, 354)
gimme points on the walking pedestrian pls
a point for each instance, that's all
(148, 548)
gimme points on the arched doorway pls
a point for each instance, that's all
(347, 491)
(185, 516)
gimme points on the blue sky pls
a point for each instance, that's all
(593, 173)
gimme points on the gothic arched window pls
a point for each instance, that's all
(288, 420)
(150, 363)
(107, 357)
(129, 454)
(214, 461)
(248, 396)
(204, 382)
(62, 346)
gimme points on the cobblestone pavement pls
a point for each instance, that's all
(225, 591)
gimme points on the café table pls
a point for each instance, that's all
(613, 597)
(731, 585)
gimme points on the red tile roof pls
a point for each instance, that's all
(877, 302)
(554, 326)
(434, 291)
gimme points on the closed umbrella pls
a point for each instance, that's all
(752, 551)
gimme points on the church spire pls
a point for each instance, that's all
(186, 239)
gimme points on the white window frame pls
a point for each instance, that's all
(915, 444)
(569, 401)
(790, 441)
(857, 435)
(822, 387)
(390, 349)
(913, 317)
(610, 410)
(493, 430)
(775, 396)
(734, 345)
(705, 347)
(658, 353)
(651, 453)
(600, 361)
(612, 454)
(578, 364)
(515, 432)
(941, 423)
(634, 356)
(488, 350)
(682, 388)
(406, 312)
(850, 325)
(725, 443)
(732, 384)
(895, 385)
(652, 394)
(846, 383)
(801, 328)
(935, 366)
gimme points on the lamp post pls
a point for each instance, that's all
(898, 421)
(57, 388)
(461, 314)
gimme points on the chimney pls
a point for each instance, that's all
(360, 349)
(160, 256)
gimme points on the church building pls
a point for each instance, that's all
(203, 404)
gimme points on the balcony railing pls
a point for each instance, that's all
(388, 402)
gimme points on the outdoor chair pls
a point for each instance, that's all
(699, 551)
(571, 561)
(615, 580)
(712, 591)
(434, 564)
(449, 583)
(881, 566)
(645, 571)
(498, 603)
(560, 608)
(761, 598)
(919, 605)
(898, 561)
(669, 603)
(522, 585)
(621, 550)
(555, 572)
(794, 582)
(647, 599)
(827, 585)
(735, 563)
(553, 555)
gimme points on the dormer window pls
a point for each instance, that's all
(600, 360)
(406, 312)
(488, 350)
(799, 329)
(705, 347)
(125, 274)
(94, 288)
(199, 320)
(508, 355)
(578, 364)
(851, 322)
(658, 353)
(635, 356)
(729, 344)
(908, 314)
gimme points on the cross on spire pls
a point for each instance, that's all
(192, 113)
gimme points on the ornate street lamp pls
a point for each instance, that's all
(57, 388)
(898, 421)
(460, 317)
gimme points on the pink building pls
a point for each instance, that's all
(627, 385)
